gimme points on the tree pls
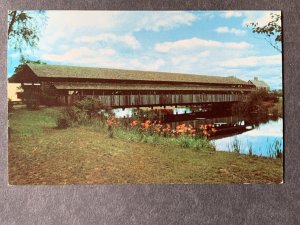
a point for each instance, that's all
(272, 31)
(24, 29)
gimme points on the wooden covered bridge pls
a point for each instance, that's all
(118, 88)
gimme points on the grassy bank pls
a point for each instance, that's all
(41, 154)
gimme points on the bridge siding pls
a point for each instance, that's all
(152, 100)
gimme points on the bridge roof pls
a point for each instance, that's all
(61, 71)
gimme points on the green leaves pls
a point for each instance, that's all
(24, 29)
(272, 31)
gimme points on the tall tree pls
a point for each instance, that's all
(24, 29)
(272, 31)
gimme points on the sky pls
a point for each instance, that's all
(197, 42)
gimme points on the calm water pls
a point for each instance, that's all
(260, 135)
(262, 139)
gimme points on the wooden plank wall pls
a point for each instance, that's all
(167, 99)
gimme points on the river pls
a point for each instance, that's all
(264, 139)
(260, 136)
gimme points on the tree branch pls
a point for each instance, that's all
(11, 23)
(273, 45)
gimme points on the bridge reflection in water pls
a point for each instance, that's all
(259, 133)
(222, 123)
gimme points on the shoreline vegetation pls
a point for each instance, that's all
(97, 151)
(140, 128)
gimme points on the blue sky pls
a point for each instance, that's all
(197, 42)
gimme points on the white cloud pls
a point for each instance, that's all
(179, 60)
(195, 42)
(90, 38)
(108, 27)
(146, 65)
(67, 24)
(270, 129)
(127, 39)
(103, 58)
(256, 16)
(75, 54)
(229, 14)
(115, 39)
(230, 30)
(253, 61)
(156, 21)
(262, 18)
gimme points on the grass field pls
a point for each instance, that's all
(41, 154)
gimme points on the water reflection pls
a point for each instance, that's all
(257, 134)
(261, 139)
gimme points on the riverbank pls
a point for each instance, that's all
(41, 154)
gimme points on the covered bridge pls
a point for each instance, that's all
(118, 88)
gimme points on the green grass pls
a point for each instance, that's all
(39, 153)
(186, 142)
(31, 123)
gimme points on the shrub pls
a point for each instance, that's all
(81, 113)
(255, 102)
(89, 105)
(62, 123)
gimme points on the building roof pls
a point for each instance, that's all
(259, 83)
(60, 71)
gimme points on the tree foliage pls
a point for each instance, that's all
(272, 31)
(255, 102)
(24, 29)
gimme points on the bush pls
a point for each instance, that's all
(255, 102)
(274, 111)
(62, 123)
(89, 105)
(75, 116)
(81, 113)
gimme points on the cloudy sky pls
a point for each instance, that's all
(197, 42)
